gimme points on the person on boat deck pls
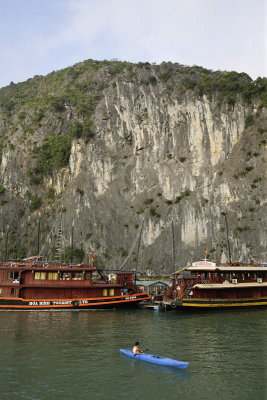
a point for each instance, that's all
(136, 349)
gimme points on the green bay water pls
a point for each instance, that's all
(75, 355)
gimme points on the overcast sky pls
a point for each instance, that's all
(40, 36)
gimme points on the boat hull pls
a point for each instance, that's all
(78, 304)
(169, 362)
(194, 304)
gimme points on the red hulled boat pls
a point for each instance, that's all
(36, 285)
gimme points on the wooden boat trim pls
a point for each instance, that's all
(228, 285)
(72, 285)
(72, 303)
(216, 303)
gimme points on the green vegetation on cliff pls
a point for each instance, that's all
(78, 90)
(82, 85)
(53, 154)
(147, 142)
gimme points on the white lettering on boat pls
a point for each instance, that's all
(48, 303)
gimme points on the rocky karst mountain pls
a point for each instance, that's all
(115, 145)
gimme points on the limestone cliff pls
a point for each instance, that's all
(113, 144)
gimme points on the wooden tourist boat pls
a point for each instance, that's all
(207, 285)
(36, 285)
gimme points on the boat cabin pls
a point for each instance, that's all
(38, 280)
(208, 280)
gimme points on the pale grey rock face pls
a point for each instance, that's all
(158, 155)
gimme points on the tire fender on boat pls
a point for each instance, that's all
(173, 304)
(75, 303)
(162, 306)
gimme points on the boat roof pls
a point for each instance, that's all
(150, 283)
(42, 265)
(208, 266)
(230, 268)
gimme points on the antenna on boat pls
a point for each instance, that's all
(226, 223)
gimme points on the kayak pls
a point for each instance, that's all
(155, 359)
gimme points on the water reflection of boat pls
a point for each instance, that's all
(31, 284)
(167, 374)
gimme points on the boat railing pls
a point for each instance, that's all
(221, 280)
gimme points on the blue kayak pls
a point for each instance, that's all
(155, 359)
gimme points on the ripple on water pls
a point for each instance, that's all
(75, 355)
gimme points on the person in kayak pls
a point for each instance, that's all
(136, 349)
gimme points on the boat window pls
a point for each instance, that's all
(111, 292)
(10, 275)
(77, 276)
(52, 276)
(12, 290)
(65, 275)
(0, 290)
(105, 292)
(40, 275)
(16, 277)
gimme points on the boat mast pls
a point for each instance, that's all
(38, 236)
(173, 248)
(71, 254)
(58, 250)
(138, 247)
(138, 238)
(226, 223)
(6, 250)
